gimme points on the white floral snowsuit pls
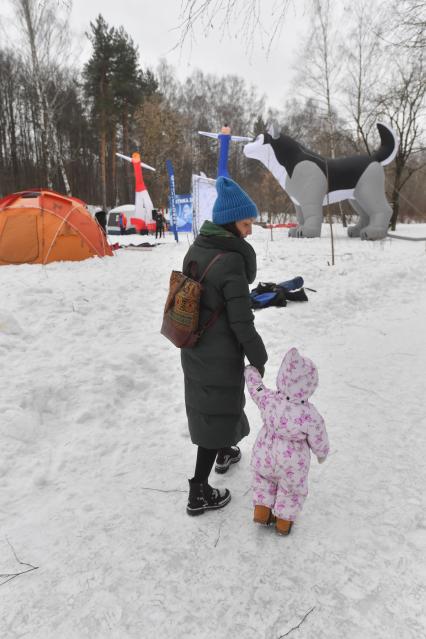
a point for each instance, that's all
(291, 426)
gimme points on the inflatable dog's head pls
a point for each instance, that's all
(267, 149)
(258, 149)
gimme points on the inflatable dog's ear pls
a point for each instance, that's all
(273, 130)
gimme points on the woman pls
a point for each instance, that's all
(214, 369)
(159, 225)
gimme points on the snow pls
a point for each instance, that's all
(96, 455)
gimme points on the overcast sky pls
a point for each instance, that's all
(152, 25)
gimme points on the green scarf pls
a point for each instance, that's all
(214, 230)
(215, 236)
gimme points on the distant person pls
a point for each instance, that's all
(122, 222)
(159, 225)
(101, 219)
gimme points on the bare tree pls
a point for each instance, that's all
(363, 54)
(409, 23)
(45, 39)
(9, 69)
(321, 71)
(404, 105)
(247, 17)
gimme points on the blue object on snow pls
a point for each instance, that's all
(269, 294)
(292, 285)
(262, 298)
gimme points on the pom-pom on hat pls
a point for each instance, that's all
(232, 203)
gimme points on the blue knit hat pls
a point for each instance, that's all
(232, 203)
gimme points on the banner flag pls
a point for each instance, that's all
(172, 198)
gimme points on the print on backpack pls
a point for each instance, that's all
(185, 311)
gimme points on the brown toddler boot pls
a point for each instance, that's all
(263, 515)
(283, 526)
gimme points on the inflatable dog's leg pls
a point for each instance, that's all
(311, 227)
(370, 195)
(299, 215)
(308, 185)
(355, 231)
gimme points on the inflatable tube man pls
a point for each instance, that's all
(224, 138)
(143, 204)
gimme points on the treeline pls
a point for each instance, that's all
(60, 127)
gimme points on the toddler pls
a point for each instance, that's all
(291, 426)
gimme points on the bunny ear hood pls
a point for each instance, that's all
(297, 377)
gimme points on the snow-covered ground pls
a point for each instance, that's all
(95, 455)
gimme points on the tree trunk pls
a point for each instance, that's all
(41, 113)
(395, 211)
(102, 154)
(395, 201)
(114, 193)
(3, 144)
(397, 182)
(323, 16)
(47, 161)
(45, 117)
(13, 149)
(125, 122)
(126, 151)
(58, 155)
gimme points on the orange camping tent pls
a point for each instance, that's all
(42, 226)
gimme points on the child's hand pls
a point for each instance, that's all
(321, 460)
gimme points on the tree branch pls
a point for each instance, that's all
(9, 576)
(298, 625)
(248, 14)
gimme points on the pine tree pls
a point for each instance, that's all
(117, 86)
(130, 87)
(98, 73)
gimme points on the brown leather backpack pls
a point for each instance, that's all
(182, 310)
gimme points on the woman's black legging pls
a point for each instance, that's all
(204, 463)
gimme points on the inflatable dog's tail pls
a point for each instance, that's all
(389, 145)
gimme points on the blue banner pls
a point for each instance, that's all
(184, 213)
(172, 198)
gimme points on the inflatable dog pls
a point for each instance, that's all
(312, 181)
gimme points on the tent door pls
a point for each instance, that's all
(19, 241)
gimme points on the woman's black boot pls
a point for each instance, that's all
(203, 497)
(226, 457)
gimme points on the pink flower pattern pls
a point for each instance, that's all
(292, 427)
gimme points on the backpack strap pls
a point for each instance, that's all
(209, 265)
(215, 315)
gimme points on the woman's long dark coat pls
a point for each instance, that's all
(214, 369)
